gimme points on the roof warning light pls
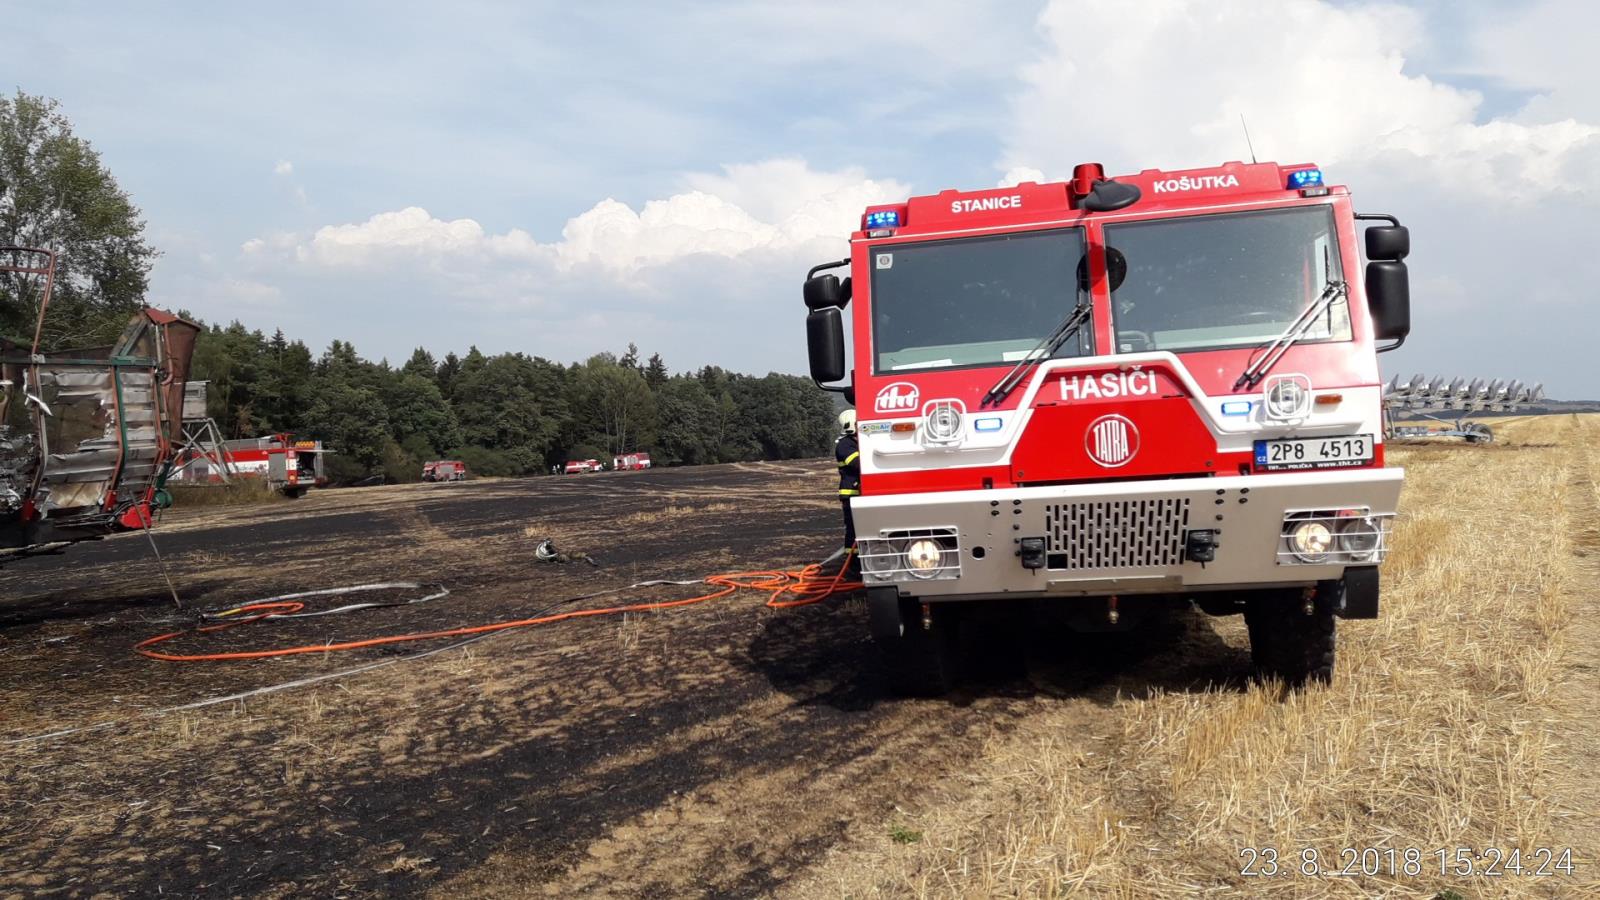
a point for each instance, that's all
(1305, 178)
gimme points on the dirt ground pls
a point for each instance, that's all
(724, 749)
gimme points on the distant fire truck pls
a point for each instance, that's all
(630, 462)
(580, 466)
(1109, 397)
(287, 465)
(444, 470)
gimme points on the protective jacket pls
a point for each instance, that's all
(847, 453)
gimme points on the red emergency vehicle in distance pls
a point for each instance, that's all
(1113, 396)
(444, 470)
(285, 464)
(630, 462)
(580, 466)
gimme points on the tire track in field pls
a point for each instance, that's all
(1576, 804)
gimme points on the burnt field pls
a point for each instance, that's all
(731, 749)
(720, 747)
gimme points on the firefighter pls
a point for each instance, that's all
(847, 453)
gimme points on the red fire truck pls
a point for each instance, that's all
(630, 462)
(1111, 397)
(289, 466)
(444, 470)
(582, 466)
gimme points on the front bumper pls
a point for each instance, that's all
(1117, 537)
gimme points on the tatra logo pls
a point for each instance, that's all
(1111, 441)
(984, 204)
(1108, 386)
(898, 397)
(1195, 183)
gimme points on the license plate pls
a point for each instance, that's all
(1315, 453)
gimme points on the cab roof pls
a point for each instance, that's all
(1032, 201)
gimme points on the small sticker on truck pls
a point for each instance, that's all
(898, 397)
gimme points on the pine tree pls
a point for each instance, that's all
(655, 372)
(421, 363)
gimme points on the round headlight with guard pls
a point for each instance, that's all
(1358, 536)
(1287, 397)
(924, 557)
(1310, 540)
(943, 422)
(882, 557)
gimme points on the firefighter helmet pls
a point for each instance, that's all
(847, 421)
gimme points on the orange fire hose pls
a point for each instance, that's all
(785, 590)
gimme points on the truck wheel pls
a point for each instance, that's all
(923, 662)
(1288, 644)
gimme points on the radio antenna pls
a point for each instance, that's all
(1247, 138)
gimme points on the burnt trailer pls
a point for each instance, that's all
(87, 436)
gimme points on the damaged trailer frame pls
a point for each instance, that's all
(87, 436)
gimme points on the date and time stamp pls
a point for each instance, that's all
(1407, 862)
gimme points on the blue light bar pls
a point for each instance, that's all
(1305, 178)
(986, 424)
(884, 218)
(1236, 408)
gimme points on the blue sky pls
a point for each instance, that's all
(561, 178)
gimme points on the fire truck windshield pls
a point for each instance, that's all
(1233, 280)
(975, 301)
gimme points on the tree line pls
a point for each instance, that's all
(505, 414)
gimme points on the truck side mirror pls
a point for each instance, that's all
(1390, 242)
(825, 341)
(825, 291)
(1388, 296)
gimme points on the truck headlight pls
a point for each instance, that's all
(1358, 537)
(1310, 540)
(1287, 398)
(942, 422)
(924, 557)
(906, 554)
(880, 558)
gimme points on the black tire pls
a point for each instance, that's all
(923, 662)
(1288, 644)
(294, 493)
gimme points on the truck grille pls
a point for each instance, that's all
(1116, 534)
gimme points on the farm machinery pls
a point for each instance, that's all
(1425, 398)
(86, 436)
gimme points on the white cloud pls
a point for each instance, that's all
(409, 231)
(1018, 174)
(1164, 82)
(247, 292)
(722, 257)
(284, 167)
(1548, 48)
(778, 205)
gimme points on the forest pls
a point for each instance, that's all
(505, 414)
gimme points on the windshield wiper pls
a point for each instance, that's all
(1042, 351)
(1278, 346)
